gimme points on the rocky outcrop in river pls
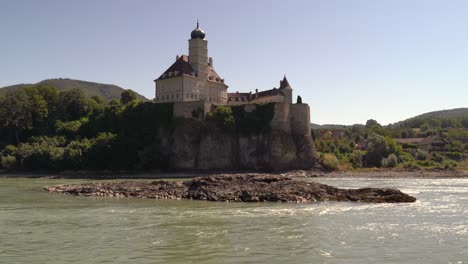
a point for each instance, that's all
(236, 188)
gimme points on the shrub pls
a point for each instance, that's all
(457, 156)
(222, 116)
(9, 162)
(437, 157)
(420, 154)
(405, 157)
(9, 150)
(391, 161)
(330, 161)
(411, 165)
(449, 164)
(356, 158)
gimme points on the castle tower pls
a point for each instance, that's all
(198, 52)
(286, 90)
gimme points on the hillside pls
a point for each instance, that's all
(106, 91)
(327, 126)
(453, 113)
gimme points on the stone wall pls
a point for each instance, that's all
(287, 145)
(192, 110)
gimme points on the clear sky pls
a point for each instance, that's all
(350, 60)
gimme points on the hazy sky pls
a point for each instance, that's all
(349, 60)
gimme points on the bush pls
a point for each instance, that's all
(437, 157)
(356, 159)
(391, 161)
(330, 161)
(222, 116)
(449, 164)
(411, 165)
(405, 157)
(420, 154)
(9, 162)
(457, 156)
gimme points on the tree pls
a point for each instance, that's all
(20, 109)
(377, 149)
(127, 96)
(372, 123)
(72, 105)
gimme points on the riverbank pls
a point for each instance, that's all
(363, 173)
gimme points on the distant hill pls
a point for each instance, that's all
(454, 113)
(326, 126)
(450, 113)
(106, 91)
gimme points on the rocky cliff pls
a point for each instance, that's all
(284, 143)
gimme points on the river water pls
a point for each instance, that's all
(39, 227)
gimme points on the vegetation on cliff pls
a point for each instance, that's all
(42, 128)
(236, 119)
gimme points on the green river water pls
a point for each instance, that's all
(39, 227)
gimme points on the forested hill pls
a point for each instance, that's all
(105, 91)
(453, 113)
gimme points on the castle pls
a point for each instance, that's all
(194, 89)
(192, 80)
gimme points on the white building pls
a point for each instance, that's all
(192, 77)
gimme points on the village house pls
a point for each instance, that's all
(431, 143)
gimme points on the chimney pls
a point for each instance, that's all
(256, 93)
(210, 61)
(250, 96)
(177, 57)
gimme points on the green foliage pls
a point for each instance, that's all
(254, 122)
(8, 162)
(457, 156)
(372, 123)
(393, 147)
(72, 105)
(127, 96)
(411, 165)
(405, 157)
(235, 118)
(68, 129)
(90, 89)
(421, 154)
(391, 161)
(437, 157)
(223, 117)
(356, 158)
(330, 161)
(450, 164)
(377, 149)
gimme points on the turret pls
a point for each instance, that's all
(286, 90)
(198, 52)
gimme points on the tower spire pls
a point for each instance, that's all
(198, 25)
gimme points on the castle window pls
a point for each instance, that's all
(177, 95)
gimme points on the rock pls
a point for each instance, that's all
(236, 188)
